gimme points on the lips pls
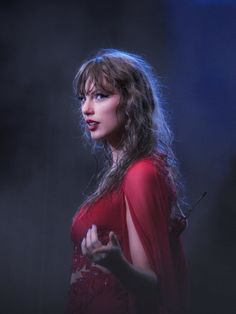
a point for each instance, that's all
(92, 124)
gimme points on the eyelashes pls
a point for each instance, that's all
(97, 96)
(81, 99)
(101, 96)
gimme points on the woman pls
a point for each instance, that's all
(127, 252)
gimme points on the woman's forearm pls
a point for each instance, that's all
(139, 281)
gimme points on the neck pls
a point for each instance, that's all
(116, 154)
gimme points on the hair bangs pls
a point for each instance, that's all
(97, 75)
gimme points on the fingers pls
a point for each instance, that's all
(182, 223)
(113, 238)
(95, 243)
(90, 242)
(93, 248)
(83, 247)
(178, 225)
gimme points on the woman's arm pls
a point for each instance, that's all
(142, 282)
(138, 277)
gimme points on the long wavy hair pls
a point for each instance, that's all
(145, 128)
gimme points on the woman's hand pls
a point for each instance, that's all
(109, 258)
(108, 255)
(178, 225)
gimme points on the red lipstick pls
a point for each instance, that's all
(92, 124)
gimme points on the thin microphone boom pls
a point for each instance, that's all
(195, 204)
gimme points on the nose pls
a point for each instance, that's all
(87, 107)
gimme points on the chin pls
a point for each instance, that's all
(111, 137)
(98, 137)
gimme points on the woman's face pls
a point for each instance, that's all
(99, 109)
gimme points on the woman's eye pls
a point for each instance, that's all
(99, 96)
(81, 99)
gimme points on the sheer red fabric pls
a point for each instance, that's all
(150, 196)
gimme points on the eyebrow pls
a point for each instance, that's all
(95, 87)
(94, 91)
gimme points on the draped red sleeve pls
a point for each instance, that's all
(150, 196)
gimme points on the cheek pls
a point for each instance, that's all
(113, 117)
(112, 122)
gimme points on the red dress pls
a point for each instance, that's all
(150, 196)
